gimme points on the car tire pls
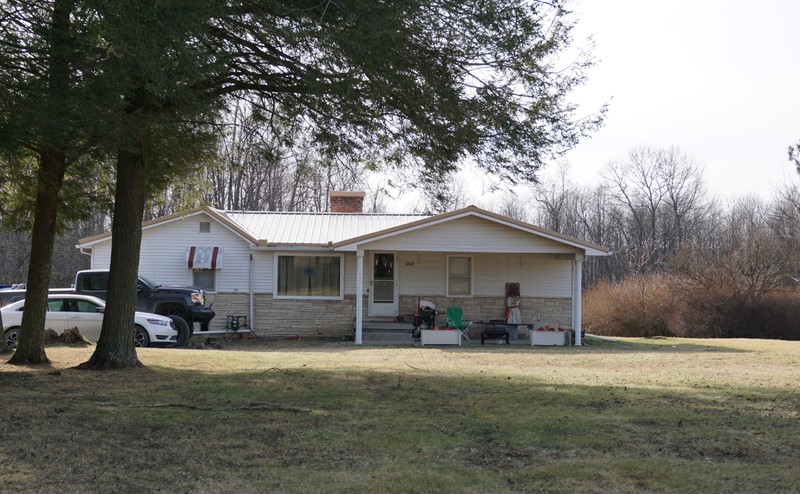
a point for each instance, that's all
(183, 330)
(12, 337)
(141, 338)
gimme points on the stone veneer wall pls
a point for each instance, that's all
(228, 304)
(335, 318)
(280, 317)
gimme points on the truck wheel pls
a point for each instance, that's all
(140, 337)
(172, 314)
(183, 330)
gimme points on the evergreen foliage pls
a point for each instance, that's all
(426, 83)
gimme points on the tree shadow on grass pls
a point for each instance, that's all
(660, 344)
(610, 345)
(307, 429)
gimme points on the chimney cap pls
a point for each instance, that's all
(345, 193)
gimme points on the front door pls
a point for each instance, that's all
(383, 285)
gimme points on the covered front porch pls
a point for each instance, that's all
(465, 259)
(391, 284)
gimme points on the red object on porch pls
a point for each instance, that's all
(513, 314)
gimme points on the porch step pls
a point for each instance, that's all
(386, 332)
(386, 338)
(386, 326)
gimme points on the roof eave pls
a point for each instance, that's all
(589, 248)
(213, 213)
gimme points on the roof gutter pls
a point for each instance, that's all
(303, 247)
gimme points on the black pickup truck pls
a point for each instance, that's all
(184, 305)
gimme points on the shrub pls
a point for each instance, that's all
(639, 306)
(720, 313)
(711, 313)
(657, 305)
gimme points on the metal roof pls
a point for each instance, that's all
(314, 228)
(348, 230)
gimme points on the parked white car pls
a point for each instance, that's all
(85, 312)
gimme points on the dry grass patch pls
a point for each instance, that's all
(661, 415)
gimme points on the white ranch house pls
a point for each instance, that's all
(324, 274)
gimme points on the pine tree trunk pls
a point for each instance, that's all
(30, 348)
(115, 349)
(50, 177)
(3, 347)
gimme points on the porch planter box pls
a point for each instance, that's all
(550, 338)
(440, 337)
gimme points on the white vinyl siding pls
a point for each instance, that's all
(539, 275)
(263, 271)
(163, 254)
(470, 235)
(101, 255)
(350, 273)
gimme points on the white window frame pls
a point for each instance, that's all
(276, 270)
(471, 276)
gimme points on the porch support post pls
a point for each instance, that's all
(359, 294)
(576, 300)
(250, 295)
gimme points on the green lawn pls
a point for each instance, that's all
(660, 415)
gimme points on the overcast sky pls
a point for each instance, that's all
(718, 78)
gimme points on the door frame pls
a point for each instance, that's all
(389, 309)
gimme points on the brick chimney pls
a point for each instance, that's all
(346, 202)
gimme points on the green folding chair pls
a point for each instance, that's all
(455, 320)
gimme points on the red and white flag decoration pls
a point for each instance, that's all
(203, 257)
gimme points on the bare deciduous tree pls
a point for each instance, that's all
(661, 192)
(513, 206)
(749, 259)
